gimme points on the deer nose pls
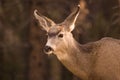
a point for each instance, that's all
(47, 49)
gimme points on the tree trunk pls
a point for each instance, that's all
(37, 59)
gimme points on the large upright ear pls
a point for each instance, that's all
(71, 19)
(43, 21)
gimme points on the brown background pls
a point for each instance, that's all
(22, 40)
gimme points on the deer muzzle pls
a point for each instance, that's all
(48, 50)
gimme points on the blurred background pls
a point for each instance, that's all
(22, 40)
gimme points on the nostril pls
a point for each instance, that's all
(47, 49)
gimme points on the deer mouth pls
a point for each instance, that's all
(50, 52)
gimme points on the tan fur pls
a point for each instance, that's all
(94, 61)
(98, 60)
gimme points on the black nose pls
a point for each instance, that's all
(47, 49)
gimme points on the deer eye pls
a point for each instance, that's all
(60, 35)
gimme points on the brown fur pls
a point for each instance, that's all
(94, 61)
(98, 60)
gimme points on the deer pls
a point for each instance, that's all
(99, 60)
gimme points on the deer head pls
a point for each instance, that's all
(58, 34)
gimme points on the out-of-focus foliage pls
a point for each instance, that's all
(22, 40)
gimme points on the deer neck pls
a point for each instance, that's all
(75, 59)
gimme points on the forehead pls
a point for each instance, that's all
(54, 30)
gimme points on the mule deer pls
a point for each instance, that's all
(98, 60)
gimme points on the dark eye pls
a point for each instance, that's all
(60, 35)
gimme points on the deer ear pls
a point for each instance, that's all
(43, 21)
(71, 19)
